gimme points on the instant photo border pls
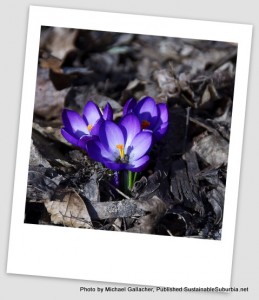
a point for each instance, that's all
(126, 257)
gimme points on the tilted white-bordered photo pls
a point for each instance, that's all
(129, 148)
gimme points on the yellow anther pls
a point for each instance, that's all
(145, 124)
(89, 127)
(121, 150)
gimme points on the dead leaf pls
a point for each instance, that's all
(154, 209)
(58, 41)
(48, 101)
(78, 96)
(183, 185)
(40, 186)
(71, 211)
(212, 149)
(48, 61)
(91, 190)
(167, 83)
(36, 158)
(173, 223)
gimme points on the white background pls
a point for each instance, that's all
(13, 29)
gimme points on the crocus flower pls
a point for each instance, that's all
(123, 146)
(78, 130)
(152, 116)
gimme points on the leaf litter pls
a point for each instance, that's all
(182, 191)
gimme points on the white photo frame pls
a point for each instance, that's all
(125, 258)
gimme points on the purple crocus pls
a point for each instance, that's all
(152, 116)
(123, 146)
(78, 130)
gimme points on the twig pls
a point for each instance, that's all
(169, 232)
(187, 100)
(117, 115)
(186, 127)
(117, 190)
(208, 128)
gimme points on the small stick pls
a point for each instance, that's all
(186, 127)
(169, 232)
(117, 115)
(207, 127)
(118, 191)
(117, 228)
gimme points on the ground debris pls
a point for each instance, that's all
(212, 149)
(68, 211)
(36, 158)
(181, 193)
(39, 186)
(154, 208)
(125, 208)
(48, 101)
(91, 189)
(184, 186)
(216, 199)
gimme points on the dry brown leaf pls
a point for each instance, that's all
(212, 149)
(155, 208)
(48, 101)
(36, 158)
(167, 83)
(70, 211)
(48, 61)
(54, 134)
(58, 41)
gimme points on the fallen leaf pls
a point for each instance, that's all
(36, 158)
(48, 101)
(58, 41)
(91, 190)
(154, 209)
(70, 211)
(40, 186)
(212, 149)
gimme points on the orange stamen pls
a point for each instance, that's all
(121, 150)
(145, 124)
(89, 127)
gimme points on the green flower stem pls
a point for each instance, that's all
(134, 177)
(130, 180)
